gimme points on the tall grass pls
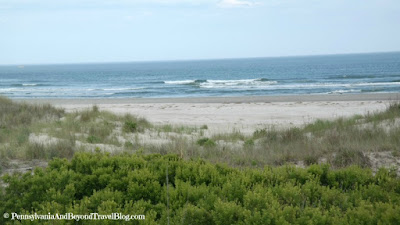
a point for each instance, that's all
(341, 142)
(23, 114)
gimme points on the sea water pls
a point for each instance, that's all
(329, 74)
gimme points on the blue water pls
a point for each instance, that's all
(331, 74)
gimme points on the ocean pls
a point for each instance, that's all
(303, 75)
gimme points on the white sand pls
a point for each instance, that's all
(244, 113)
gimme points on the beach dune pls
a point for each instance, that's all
(236, 113)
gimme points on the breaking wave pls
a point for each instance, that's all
(244, 83)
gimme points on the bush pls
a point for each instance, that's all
(60, 149)
(128, 144)
(311, 159)
(269, 135)
(202, 193)
(204, 127)
(347, 157)
(93, 139)
(130, 127)
(206, 142)
(249, 143)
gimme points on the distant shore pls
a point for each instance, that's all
(224, 114)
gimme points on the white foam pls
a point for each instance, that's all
(235, 84)
(180, 82)
(322, 85)
(343, 91)
(238, 84)
(122, 89)
(378, 83)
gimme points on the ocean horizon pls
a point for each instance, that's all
(269, 76)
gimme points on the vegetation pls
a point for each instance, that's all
(130, 126)
(16, 123)
(206, 142)
(23, 114)
(213, 178)
(202, 193)
(33, 132)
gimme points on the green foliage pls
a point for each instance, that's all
(393, 111)
(341, 142)
(134, 124)
(93, 139)
(249, 143)
(267, 134)
(310, 159)
(319, 125)
(130, 126)
(232, 137)
(202, 193)
(292, 134)
(22, 114)
(206, 142)
(128, 144)
(168, 128)
(204, 127)
(60, 149)
(346, 157)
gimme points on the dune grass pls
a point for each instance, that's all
(43, 132)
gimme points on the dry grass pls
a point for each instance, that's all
(341, 142)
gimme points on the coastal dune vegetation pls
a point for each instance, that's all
(170, 190)
(341, 171)
(43, 132)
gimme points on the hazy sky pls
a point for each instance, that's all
(67, 31)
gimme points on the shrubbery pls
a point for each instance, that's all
(202, 193)
(206, 142)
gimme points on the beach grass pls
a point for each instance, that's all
(29, 131)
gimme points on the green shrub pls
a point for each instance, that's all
(62, 149)
(101, 130)
(206, 142)
(128, 144)
(195, 215)
(204, 127)
(347, 157)
(249, 143)
(268, 135)
(202, 193)
(130, 127)
(292, 134)
(311, 159)
(35, 151)
(93, 139)
(95, 108)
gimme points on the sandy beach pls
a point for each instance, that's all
(243, 113)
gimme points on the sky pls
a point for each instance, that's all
(80, 31)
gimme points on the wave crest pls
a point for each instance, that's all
(224, 83)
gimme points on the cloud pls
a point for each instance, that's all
(235, 3)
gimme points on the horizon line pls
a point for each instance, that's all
(195, 59)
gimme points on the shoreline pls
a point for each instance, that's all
(231, 99)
